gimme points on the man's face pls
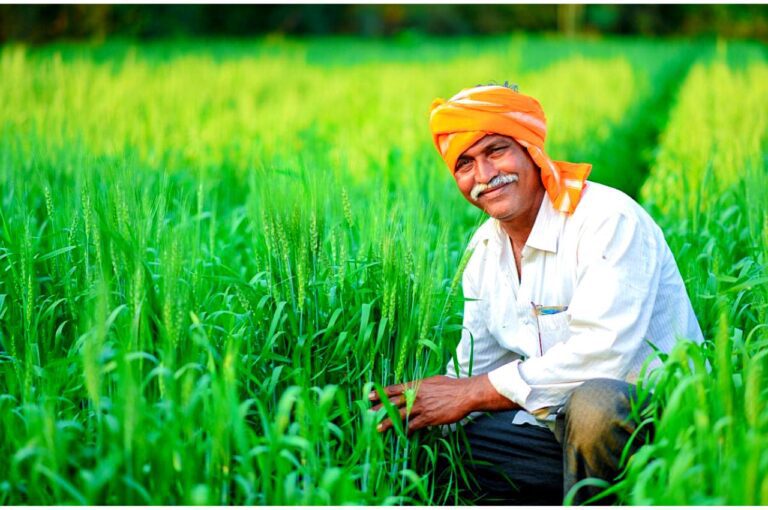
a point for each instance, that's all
(497, 175)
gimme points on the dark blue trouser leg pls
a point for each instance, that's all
(525, 464)
(515, 464)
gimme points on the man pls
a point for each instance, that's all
(568, 285)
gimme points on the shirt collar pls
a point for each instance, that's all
(546, 228)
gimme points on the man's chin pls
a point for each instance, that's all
(495, 209)
(500, 214)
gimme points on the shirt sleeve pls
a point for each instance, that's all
(617, 278)
(478, 351)
(474, 330)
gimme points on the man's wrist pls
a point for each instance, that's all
(482, 396)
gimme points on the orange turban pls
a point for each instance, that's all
(457, 124)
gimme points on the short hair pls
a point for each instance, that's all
(511, 86)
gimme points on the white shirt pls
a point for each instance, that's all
(609, 264)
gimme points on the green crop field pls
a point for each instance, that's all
(211, 251)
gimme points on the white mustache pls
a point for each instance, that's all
(499, 180)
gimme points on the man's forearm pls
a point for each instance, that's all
(441, 400)
(480, 395)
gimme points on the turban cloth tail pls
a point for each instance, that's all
(460, 122)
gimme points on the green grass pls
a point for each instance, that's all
(707, 187)
(210, 252)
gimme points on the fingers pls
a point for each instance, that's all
(397, 401)
(389, 391)
(416, 423)
(386, 423)
(396, 397)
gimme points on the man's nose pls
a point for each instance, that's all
(485, 170)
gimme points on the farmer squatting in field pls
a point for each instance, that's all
(568, 285)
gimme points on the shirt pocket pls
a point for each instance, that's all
(553, 329)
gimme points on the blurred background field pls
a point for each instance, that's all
(210, 249)
(41, 23)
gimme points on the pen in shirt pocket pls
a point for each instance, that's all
(545, 310)
(548, 310)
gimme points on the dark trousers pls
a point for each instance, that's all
(529, 465)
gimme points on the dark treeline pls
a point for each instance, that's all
(43, 23)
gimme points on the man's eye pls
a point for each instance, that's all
(498, 150)
(462, 165)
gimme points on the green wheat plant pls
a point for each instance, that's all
(212, 252)
(708, 409)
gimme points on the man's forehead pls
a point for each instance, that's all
(486, 141)
(492, 137)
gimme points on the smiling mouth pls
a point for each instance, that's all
(495, 188)
(485, 189)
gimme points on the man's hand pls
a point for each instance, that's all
(440, 400)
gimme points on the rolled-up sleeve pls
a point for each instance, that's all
(478, 352)
(617, 278)
(477, 347)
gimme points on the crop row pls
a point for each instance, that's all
(208, 258)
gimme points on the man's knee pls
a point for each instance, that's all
(598, 408)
